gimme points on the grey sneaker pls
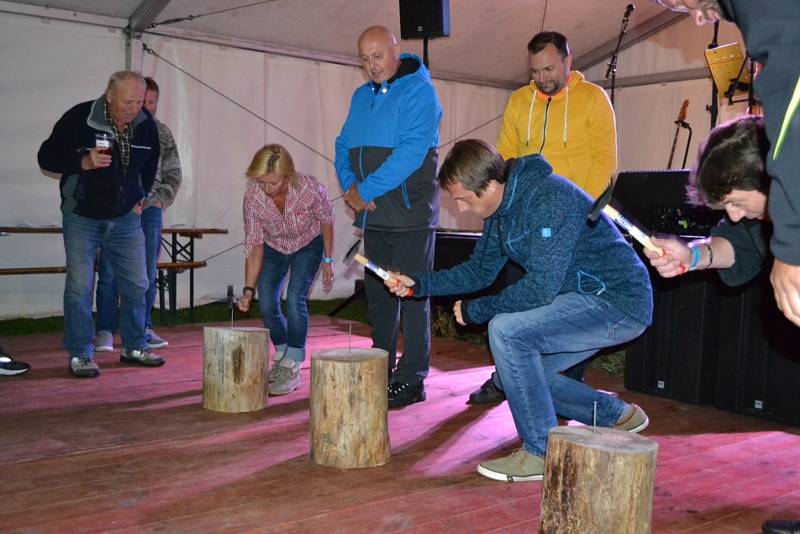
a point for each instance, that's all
(141, 357)
(83, 367)
(273, 372)
(634, 420)
(104, 341)
(287, 377)
(519, 466)
(154, 340)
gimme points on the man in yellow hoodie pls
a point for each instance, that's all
(561, 116)
(567, 120)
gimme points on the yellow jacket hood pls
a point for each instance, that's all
(574, 130)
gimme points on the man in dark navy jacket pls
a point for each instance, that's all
(107, 153)
(770, 31)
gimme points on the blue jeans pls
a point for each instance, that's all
(107, 296)
(531, 348)
(122, 242)
(304, 264)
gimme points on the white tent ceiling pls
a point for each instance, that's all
(487, 42)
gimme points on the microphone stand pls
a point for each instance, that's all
(612, 62)
(684, 124)
(736, 83)
(713, 108)
(752, 101)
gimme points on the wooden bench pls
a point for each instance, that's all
(180, 253)
(164, 281)
(178, 266)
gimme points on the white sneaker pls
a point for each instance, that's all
(287, 377)
(154, 341)
(104, 341)
(83, 367)
(141, 357)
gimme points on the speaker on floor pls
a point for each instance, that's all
(424, 18)
(759, 355)
(676, 357)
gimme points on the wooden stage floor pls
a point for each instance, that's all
(134, 451)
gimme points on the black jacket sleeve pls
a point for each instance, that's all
(61, 152)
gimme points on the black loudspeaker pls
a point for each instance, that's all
(759, 355)
(657, 200)
(677, 356)
(424, 18)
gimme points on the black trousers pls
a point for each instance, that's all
(404, 252)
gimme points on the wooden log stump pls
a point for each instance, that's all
(349, 425)
(597, 482)
(234, 369)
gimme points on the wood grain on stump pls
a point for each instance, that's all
(349, 426)
(598, 482)
(235, 369)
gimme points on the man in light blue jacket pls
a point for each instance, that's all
(386, 164)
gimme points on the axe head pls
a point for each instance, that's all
(601, 202)
(230, 297)
(351, 252)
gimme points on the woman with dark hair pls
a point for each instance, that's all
(730, 174)
(288, 226)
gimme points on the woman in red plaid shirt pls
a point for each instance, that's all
(288, 227)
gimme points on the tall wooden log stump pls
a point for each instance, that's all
(349, 424)
(234, 369)
(598, 482)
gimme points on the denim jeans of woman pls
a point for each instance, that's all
(532, 347)
(302, 267)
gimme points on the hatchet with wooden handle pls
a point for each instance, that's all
(383, 275)
(601, 205)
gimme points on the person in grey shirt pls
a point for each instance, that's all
(161, 196)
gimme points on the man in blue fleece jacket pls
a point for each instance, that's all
(386, 163)
(584, 289)
(106, 151)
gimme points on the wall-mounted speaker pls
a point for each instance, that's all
(424, 18)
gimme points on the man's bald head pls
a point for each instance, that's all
(378, 33)
(379, 53)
